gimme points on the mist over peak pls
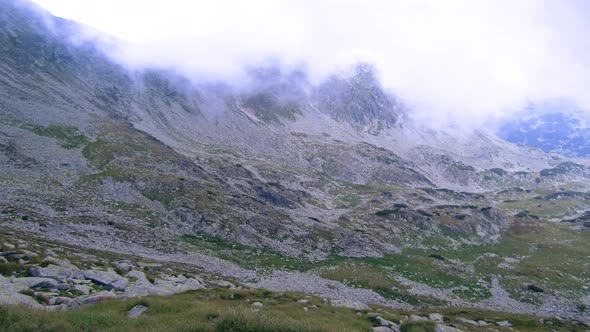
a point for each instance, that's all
(459, 64)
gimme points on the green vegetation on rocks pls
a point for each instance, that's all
(69, 137)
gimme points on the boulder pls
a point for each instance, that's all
(29, 254)
(7, 246)
(384, 322)
(444, 328)
(60, 262)
(59, 273)
(137, 311)
(222, 284)
(10, 294)
(416, 317)
(436, 317)
(36, 282)
(389, 324)
(107, 279)
(91, 299)
(140, 287)
(257, 305)
(504, 323)
(123, 267)
(58, 300)
(82, 289)
(168, 285)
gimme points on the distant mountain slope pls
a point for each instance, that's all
(554, 129)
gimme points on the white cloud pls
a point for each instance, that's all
(465, 61)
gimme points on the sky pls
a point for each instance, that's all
(465, 62)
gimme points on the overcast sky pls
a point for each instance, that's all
(468, 61)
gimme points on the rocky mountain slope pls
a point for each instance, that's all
(280, 185)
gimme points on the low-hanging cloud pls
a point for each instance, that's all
(466, 62)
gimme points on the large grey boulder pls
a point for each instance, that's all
(56, 261)
(59, 273)
(167, 285)
(436, 317)
(221, 284)
(140, 287)
(9, 294)
(107, 279)
(35, 282)
(385, 322)
(82, 289)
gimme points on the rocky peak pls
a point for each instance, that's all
(359, 99)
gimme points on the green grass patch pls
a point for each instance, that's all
(69, 137)
(246, 256)
(348, 201)
(418, 326)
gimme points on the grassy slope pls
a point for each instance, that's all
(227, 310)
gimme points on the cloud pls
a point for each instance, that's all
(465, 62)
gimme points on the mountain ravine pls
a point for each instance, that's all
(124, 184)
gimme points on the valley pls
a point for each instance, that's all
(217, 197)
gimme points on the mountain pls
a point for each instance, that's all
(554, 128)
(328, 189)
